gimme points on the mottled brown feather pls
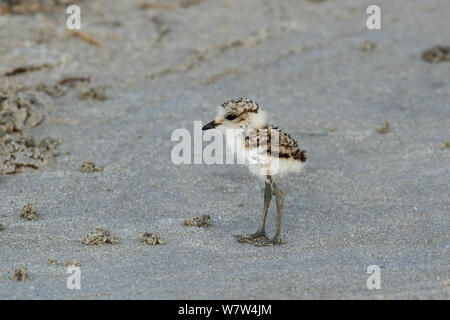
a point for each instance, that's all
(240, 106)
(261, 138)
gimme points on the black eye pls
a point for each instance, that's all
(231, 117)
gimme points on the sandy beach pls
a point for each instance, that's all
(86, 119)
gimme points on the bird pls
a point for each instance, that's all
(267, 151)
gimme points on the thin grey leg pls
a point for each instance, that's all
(280, 204)
(259, 238)
(267, 198)
(261, 233)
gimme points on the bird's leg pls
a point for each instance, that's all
(261, 233)
(264, 241)
(280, 203)
(259, 238)
(267, 197)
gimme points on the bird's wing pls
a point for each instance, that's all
(272, 141)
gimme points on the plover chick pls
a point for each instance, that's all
(267, 151)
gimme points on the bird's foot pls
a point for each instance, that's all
(277, 241)
(260, 239)
(257, 235)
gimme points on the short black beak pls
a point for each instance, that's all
(210, 125)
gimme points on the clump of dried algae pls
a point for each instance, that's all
(151, 239)
(384, 128)
(90, 167)
(1, 227)
(92, 93)
(203, 221)
(20, 110)
(29, 212)
(55, 91)
(99, 237)
(19, 274)
(436, 54)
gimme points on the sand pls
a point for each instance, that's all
(364, 198)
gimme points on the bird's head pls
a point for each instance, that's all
(238, 113)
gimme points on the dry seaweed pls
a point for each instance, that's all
(71, 81)
(18, 153)
(151, 239)
(56, 91)
(436, 54)
(384, 128)
(100, 236)
(25, 69)
(1, 227)
(93, 93)
(47, 147)
(446, 145)
(52, 261)
(20, 109)
(86, 37)
(201, 222)
(90, 167)
(60, 88)
(19, 274)
(29, 212)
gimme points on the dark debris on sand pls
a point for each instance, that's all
(99, 237)
(384, 128)
(151, 239)
(19, 274)
(55, 91)
(436, 54)
(201, 222)
(90, 167)
(29, 212)
(25, 69)
(20, 110)
(92, 93)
